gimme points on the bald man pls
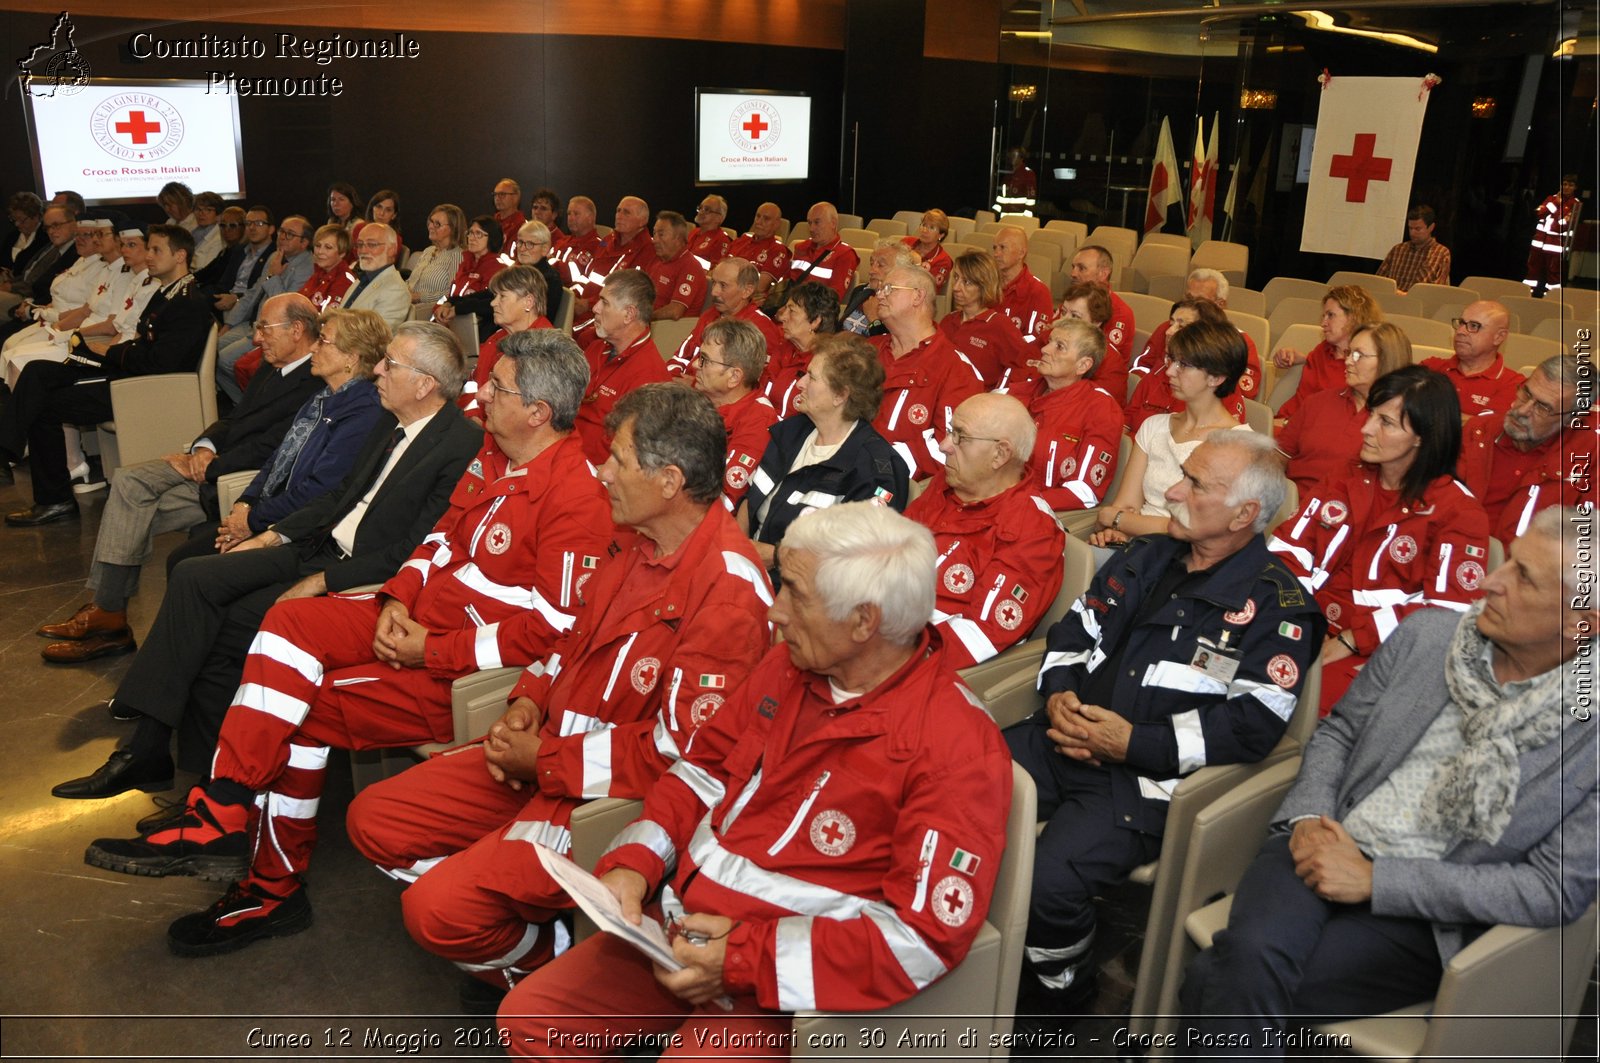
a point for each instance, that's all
(762, 247)
(573, 252)
(822, 256)
(709, 242)
(1478, 370)
(628, 247)
(1000, 546)
(1024, 298)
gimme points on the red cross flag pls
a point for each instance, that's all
(1361, 164)
(1164, 191)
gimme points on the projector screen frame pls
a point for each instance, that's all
(137, 84)
(700, 90)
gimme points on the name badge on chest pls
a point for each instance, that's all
(1213, 658)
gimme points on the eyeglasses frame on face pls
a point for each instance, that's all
(1173, 359)
(371, 245)
(703, 358)
(885, 289)
(960, 437)
(1526, 396)
(1472, 327)
(493, 387)
(391, 364)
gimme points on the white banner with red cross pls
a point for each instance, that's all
(1362, 162)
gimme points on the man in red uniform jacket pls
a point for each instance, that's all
(673, 619)
(833, 834)
(1541, 453)
(733, 290)
(822, 256)
(925, 379)
(508, 211)
(1000, 546)
(731, 361)
(1483, 381)
(709, 242)
(1092, 265)
(1024, 298)
(761, 246)
(572, 253)
(622, 358)
(627, 247)
(495, 583)
(680, 282)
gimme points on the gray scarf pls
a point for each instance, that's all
(1473, 792)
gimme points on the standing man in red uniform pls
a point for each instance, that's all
(733, 291)
(867, 892)
(680, 282)
(1540, 453)
(731, 360)
(1483, 381)
(1092, 265)
(508, 212)
(761, 246)
(1558, 220)
(494, 583)
(1000, 546)
(671, 622)
(627, 247)
(622, 356)
(822, 256)
(573, 253)
(709, 242)
(1024, 298)
(925, 379)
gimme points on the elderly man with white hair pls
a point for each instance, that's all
(855, 898)
(379, 286)
(1188, 649)
(1432, 804)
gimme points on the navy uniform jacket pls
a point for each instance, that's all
(863, 465)
(1250, 614)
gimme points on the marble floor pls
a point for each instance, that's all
(87, 972)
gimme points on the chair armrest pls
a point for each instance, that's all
(230, 485)
(479, 699)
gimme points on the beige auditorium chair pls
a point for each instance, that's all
(1370, 281)
(1280, 288)
(159, 414)
(1495, 287)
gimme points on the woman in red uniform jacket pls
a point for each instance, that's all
(1399, 534)
(983, 335)
(1344, 310)
(1324, 437)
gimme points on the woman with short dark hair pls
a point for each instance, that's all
(1398, 534)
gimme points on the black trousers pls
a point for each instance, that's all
(1288, 954)
(186, 672)
(48, 395)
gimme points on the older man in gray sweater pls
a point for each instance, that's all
(1433, 803)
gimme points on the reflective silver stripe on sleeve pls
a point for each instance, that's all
(1299, 553)
(750, 572)
(577, 723)
(1274, 697)
(705, 786)
(540, 832)
(742, 875)
(763, 482)
(1157, 789)
(743, 799)
(1191, 741)
(616, 666)
(486, 647)
(665, 744)
(797, 990)
(652, 836)
(597, 763)
(1171, 675)
(472, 577)
(972, 637)
(922, 966)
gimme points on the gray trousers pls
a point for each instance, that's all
(144, 501)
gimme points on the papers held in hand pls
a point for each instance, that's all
(601, 905)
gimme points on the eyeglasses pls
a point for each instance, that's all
(370, 245)
(961, 438)
(255, 223)
(295, 235)
(392, 365)
(231, 224)
(262, 326)
(503, 195)
(885, 289)
(1525, 397)
(706, 208)
(703, 359)
(57, 224)
(479, 233)
(1354, 356)
(1472, 327)
(491, 388)
(1174, 360)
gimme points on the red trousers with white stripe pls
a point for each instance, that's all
(479, 896)
(605, 986)
(310, 682)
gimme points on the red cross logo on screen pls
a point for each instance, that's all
(755, 126)
(1361, 167)
(138, 127)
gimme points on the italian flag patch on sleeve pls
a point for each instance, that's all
(963, 861)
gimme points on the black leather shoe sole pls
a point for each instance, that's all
(118, 775)
(89, 649)
(120, 713)
(126, 858)
(32, 518)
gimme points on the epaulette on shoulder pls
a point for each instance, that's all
(1291, 592)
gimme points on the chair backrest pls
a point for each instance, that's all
(1495, 287)
(1285, 384)
(230, 485)
(1565, 332)
(1043, 267)
(851, 221)
(563, 320)
(1294, 310)
(1025, 222)
(1421, 352)
(1252, 325)
(1078, 568)
(1291, 506)
(155, 415)
(1121, 242)
(1148, 311)
(1370, 281)
(464, 327)
(668, 336)
(1013, 891)
(888, 226)
(1124, 448)
(1168, 289)
(1160, 260)
(207, 373)
(1048, 251)
(1423, 330)
(1520, 350)
(863, 240)
(1428, 297)
(1166, 240)
(990, 227)
(1067, 242)
(912, 220)
(1530, 311)
(603, 231)
(981, 216)
(1280, 288)
(960, 228)
(1223, 255)
(1396, 302)
(1247, 299)
(1258, 416)
(801, 230)
(1076, 229)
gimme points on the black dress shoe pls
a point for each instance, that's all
(121, 773)
(120, 713)
(37, 515)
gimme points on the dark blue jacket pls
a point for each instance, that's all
(325, 459)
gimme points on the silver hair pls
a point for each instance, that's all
(675, 425)
(920, 279)
(534, 232)
(1262, 479)
(1206, 273)
(743, 346)
(904, 257)
(550, 369)
(1572, 374)
(437, 354)
(1573, 527)
(1084, 339)
(869, 554)
(632, 287)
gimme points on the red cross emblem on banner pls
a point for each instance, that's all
(755, 126)
(1361, 167)
(138, 127)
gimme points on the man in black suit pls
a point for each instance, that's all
(220, 274)
(23, 239)
(50, 395)
(191, 661)
(179, 490)
(30, 280)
